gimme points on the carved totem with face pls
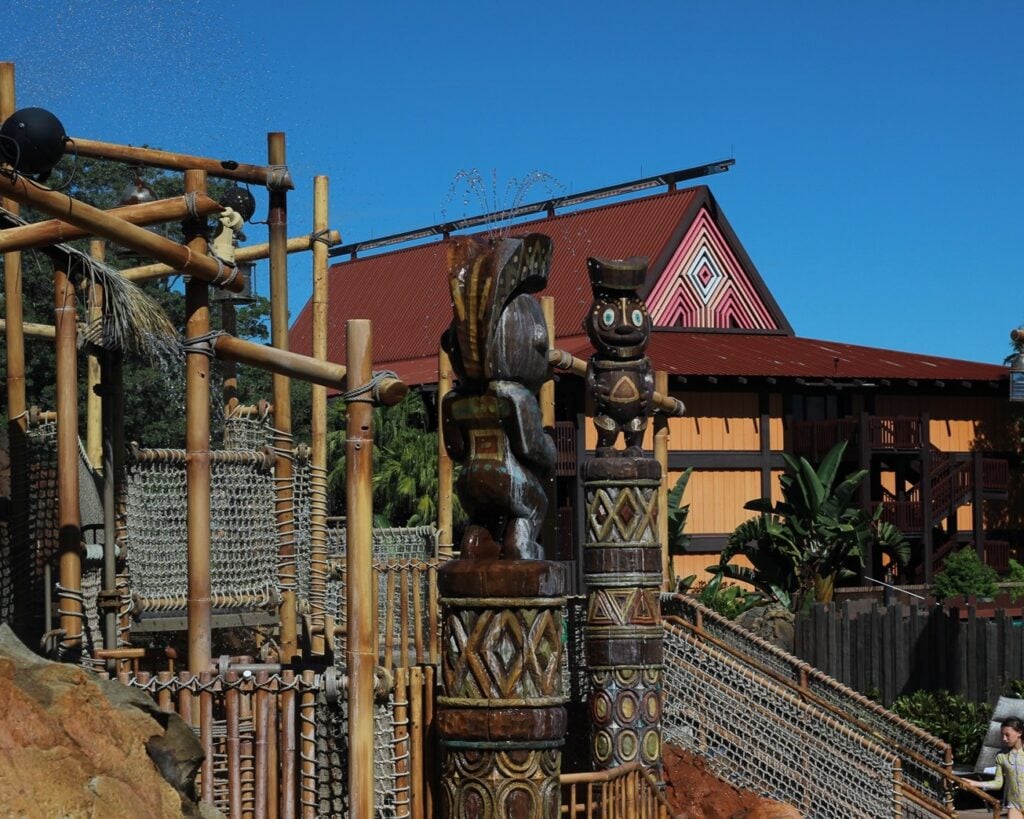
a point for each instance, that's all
(619, 375)
(492, 425)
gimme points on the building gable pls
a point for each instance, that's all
(706, 285)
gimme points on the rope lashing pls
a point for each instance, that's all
(321, 236)
(277, 175)
(202, 345)
(191, 204)
(359, 394)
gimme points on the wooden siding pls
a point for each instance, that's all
(685, 565)
(958, 423)
(716, 499)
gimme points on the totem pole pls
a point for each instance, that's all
(622, 555)
(501, 719)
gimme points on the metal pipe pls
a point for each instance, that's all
(296, 365)
(17, 405)
(55, 231)
(102, 224)
(252, 253)
(69, 519)
(197, 446)
(567, 362)
(360, 609)
(277, 226)
(271, 177)
(318, 422)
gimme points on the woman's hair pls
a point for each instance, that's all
(1014, 723)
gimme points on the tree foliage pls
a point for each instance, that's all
(964, 574)
(801, 545)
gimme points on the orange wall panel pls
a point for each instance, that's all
(716, 499)
(717, 421)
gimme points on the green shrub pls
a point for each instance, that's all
(964, 574)
(950, 717)
(727, 599)
(1015, 689)
(1016, 575)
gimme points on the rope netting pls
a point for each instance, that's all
(758, 735)
(876, 722)
(248, 432)
(395, 551)
(243, 531)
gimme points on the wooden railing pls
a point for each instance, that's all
(565, 448)
(628, 792)
(813, 439)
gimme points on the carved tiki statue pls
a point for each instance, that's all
(619, 375)
(492, 425)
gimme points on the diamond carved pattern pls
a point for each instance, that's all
(622, 514)
(503, 653)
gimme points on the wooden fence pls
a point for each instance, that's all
(888, 651)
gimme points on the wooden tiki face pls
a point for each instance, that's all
(618, 325)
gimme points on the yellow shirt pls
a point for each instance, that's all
(1009, 772)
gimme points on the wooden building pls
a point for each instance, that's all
(934, 432)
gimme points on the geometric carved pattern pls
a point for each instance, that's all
(502, 653)
(624, 513)
(704, 285)
(625, 716)
(519, 784)
(623, 607)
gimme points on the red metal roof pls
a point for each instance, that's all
(405, 292)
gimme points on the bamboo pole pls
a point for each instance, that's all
(547, 414)
(307, 719)
(197, 446)
(55, 231)
(229, 368)
(403, 774)
(102, 224)
(268, 175)
(233, 744)
(93, 403)
(30, 329)
(252, 253)
(288, 745)
(445, 545)
(68, 513)
(361, 650)
(277, 225)
(295, 365)
(206, 736)
(318, 423)
(661, 456)
(416, 746)
(567, 362)
(17, 405)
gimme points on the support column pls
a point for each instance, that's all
(445, 542)
(197, 447)
(318, 426)
(277, 225)
(661, 456)
(69, 584)
(502, 722)
(546, 400)
(622, 571)
(25, 602)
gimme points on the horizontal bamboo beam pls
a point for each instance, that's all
(251, 253)
(100, 223)
(33, 330)
(168, 160)
(303, 367)
(54, 231)
(263, 458)
(567, 362)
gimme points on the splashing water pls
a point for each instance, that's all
(483, 195)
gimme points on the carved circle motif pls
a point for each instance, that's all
(651, 747)
(627, 745)
(601, 708)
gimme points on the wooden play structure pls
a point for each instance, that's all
(331, 669)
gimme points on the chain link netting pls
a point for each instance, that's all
(875, 721)
(243, 532)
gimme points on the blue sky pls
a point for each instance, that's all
(880, 145)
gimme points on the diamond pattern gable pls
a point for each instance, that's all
(705, 285)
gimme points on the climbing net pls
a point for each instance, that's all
(243, 534)
(759, 735)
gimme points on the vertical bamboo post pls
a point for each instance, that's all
(277, 225)
(197, 447)
(546, 399)
(229, 368)
(416, 748)
(17, 406)
(288, 745)
(403, 797)
(661, 456)
(233, 744)
(206, 733)
(261, 720)
(93, 403)
(318, 423)
(361, 649)
(69, 593)
(307, 719)
(445, 544)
